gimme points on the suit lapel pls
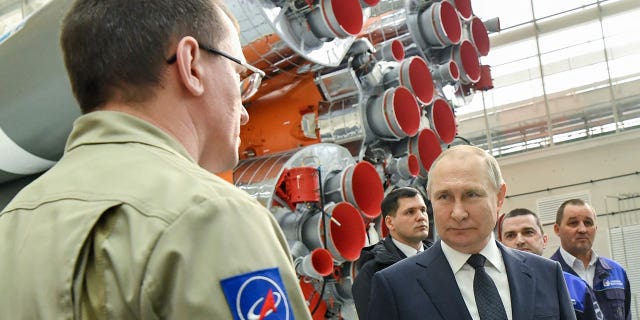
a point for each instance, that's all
(521, 285)
(440, 285)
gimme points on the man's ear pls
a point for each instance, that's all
(190, 67)
(388, 222)
(502, 193)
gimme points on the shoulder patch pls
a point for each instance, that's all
(257, 295)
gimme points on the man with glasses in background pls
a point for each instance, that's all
(132, 223)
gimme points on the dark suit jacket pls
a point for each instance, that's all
(373, 259)
(424, 287)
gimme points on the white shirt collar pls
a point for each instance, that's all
(571, 260)
(406, 249)
(457, 259)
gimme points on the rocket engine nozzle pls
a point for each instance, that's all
(443, 120)
(336, 19)
(447, 72)
(394, 115)
(369, 3)
(317, 264)
(425, 146)
(464, 9)
(406, 167)
(414, 74)
(466, 57)
(359, 185)
(440, 24)
(345, 233)
(479, 36)
(390, 51)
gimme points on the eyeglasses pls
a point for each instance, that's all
(249, 85)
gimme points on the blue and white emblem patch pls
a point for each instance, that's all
(258, 295)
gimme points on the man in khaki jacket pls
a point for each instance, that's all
(131, 223)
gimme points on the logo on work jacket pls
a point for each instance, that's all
(257, 295)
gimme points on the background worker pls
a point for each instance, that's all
(576, 227)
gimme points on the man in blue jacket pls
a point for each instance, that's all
(521, 229)
(576, 227)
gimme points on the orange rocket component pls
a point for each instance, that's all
(298, 185)
(226, 175)
(275, 119)
(485, 83)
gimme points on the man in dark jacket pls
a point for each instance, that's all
(405, 214)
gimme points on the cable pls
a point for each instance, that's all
(324, 237)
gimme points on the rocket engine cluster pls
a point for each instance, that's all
(353, 105)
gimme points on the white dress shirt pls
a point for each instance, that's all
(587, 274)
(464, 274)
(406, 249)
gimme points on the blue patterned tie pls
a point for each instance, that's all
(487, 297)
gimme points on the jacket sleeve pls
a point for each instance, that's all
(591, 307)
(382, 305)
(361, 290)
(564, 300)
(627, 296)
